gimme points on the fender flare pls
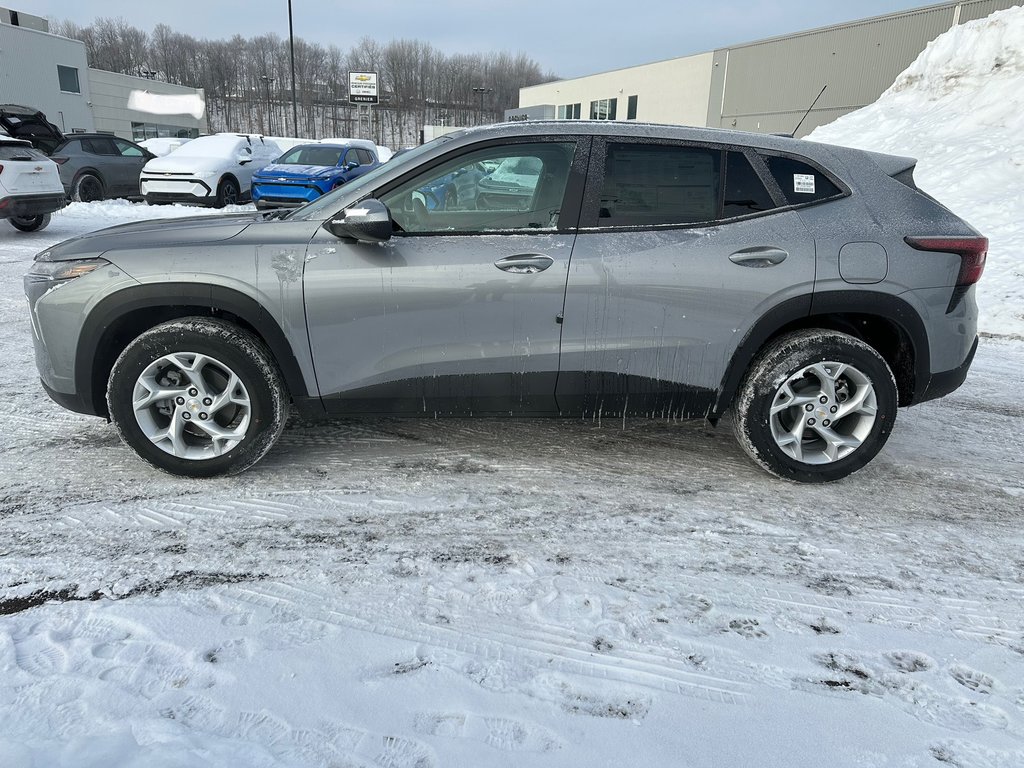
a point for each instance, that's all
(799, 312)
(103, 322)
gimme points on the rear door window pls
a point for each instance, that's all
(745, 193)
(651, 184)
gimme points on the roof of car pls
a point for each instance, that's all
(634, 129)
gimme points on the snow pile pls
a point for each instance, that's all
(959, 109)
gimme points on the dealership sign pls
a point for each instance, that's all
(362, 88)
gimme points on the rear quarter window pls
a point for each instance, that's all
(800, 182)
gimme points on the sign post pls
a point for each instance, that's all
(362, 91)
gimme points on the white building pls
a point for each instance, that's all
(50, 73)
(767, 85)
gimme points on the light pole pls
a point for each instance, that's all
(270, 123)
(291, 45)
(481, 90)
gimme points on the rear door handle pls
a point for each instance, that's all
(760, 256)
(525, 263)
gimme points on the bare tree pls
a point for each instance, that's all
(248, 81)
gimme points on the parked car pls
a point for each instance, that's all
(307, 171)
(30, 188)
(163, 145)
(30, 124)
(96, 166)
(807, 288)
(512, 184)
(211, 170)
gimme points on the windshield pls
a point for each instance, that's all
(327, 204)
(210, 146)
(311, 154)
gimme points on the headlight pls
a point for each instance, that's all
(205, 174)
(57, 271)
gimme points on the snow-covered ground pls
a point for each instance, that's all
(406, 594)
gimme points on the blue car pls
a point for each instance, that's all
(307, 171)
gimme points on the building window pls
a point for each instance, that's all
(603, 109)
(68, 78)
(143, 131)
(569, 111)
(631, 108)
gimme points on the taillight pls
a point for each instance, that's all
(60, 160)
(1, 169)
(972, 252)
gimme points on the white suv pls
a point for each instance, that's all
(30, 188)
(211, 170)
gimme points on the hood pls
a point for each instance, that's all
(30, 124)
(148, 234)
(186, 164)
(298, 171)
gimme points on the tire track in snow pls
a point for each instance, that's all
(496, 641)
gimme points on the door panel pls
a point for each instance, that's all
(652, 318)
(459, 312)
(429, 324)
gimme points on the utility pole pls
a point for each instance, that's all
(481, 90)
(291, 44)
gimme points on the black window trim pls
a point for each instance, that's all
(595, 182)
(572, 200)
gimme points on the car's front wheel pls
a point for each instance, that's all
(816, 406)
(227, 193)
(197, 397)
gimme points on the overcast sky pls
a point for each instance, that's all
(566, 38)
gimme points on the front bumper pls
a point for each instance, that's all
(26, 206)
(284, 195)
(186, 190)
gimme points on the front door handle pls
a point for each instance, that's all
(525, 263)
(761, 256)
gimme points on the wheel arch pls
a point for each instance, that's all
(113, 323)
(886, 322)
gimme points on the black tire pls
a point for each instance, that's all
(87, 188)
(227, 193)
(782, 422)
(225, 349)
(30, 223)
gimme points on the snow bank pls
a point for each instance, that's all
(959, 109)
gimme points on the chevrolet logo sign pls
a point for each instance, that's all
(362, 78)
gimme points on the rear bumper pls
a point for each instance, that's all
(941, 384)
(24, 206)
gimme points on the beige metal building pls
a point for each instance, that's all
(51, 74)
(763, 86)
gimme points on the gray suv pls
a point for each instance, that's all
(636, 270)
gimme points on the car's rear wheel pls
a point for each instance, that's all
(87, 188)
(30, 223)
(816, 406)
(197, 397)
(227, 193)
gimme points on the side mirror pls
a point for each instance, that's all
(351, 165)
(368, 221)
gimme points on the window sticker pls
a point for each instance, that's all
(803, 183)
